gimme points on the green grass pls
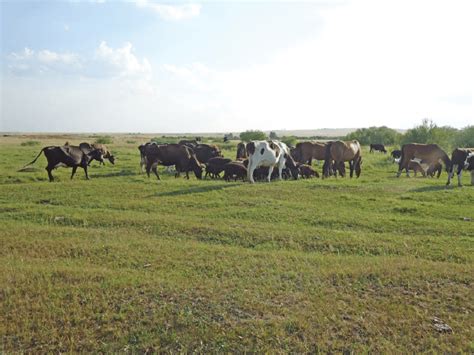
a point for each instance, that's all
(123, 262)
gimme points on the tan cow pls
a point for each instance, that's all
(428, 153)
(339, 152)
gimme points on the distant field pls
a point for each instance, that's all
(123, 262)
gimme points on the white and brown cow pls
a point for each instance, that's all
(270, 154)
(459, 162)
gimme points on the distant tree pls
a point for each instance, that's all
(465, 137)
(378, 135)
(429, 132)
(273, 135)
(248, 136)
(289, 140)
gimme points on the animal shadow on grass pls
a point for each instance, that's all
(194, 190)
(430, 188)
(112, 174)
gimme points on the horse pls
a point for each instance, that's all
(340, 152)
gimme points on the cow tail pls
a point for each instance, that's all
(34, 160)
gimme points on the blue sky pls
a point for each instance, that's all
(146, 66)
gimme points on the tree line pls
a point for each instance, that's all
(427, 132)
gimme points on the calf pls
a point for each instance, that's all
(307, 171)
(68, 156)
(396, 154)
(415, 165)
(235, 170)
(105, 152)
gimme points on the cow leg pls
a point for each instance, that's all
(48, 169)
(74, 168)
(270, 171)
(85, 172)
(460, 175)
(250, 171)
(155, 171)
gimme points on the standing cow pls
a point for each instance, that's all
(181, 156)
(270, 154)
(458, 163)
(429, 154)
(377, 147)
(68, 156)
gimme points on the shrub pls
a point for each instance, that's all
(103, 140)
(289, 140)
(248, 136)
(29, 143)
(380, 135)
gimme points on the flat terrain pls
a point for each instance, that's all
(123, 262)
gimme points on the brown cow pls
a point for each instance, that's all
(172, 154)
(235, 170)
(305, 152)
(427, 153)
(340, 152)
(458, 161)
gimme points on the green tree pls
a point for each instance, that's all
(379, 135)
(465, 137)
(289, 140)
(273, 135)
(428, 132)
(251, 135)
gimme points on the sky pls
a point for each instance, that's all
(175, 67)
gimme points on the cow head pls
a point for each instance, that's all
(111, 159)
(469, 162)
(196, 167)
(290, 164)
(215, 151)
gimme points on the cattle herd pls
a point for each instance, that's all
(265, 160)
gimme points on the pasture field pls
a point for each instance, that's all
(127, 263)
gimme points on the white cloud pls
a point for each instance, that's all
(375, 63)
(106, 62)
(123, 60)
(171, 12)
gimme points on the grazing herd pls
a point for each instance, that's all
(265, 160)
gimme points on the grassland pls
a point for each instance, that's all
(123, 262)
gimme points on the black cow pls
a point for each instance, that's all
(458, 163)
(68, 156)
(379, 147)
(215, 166)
